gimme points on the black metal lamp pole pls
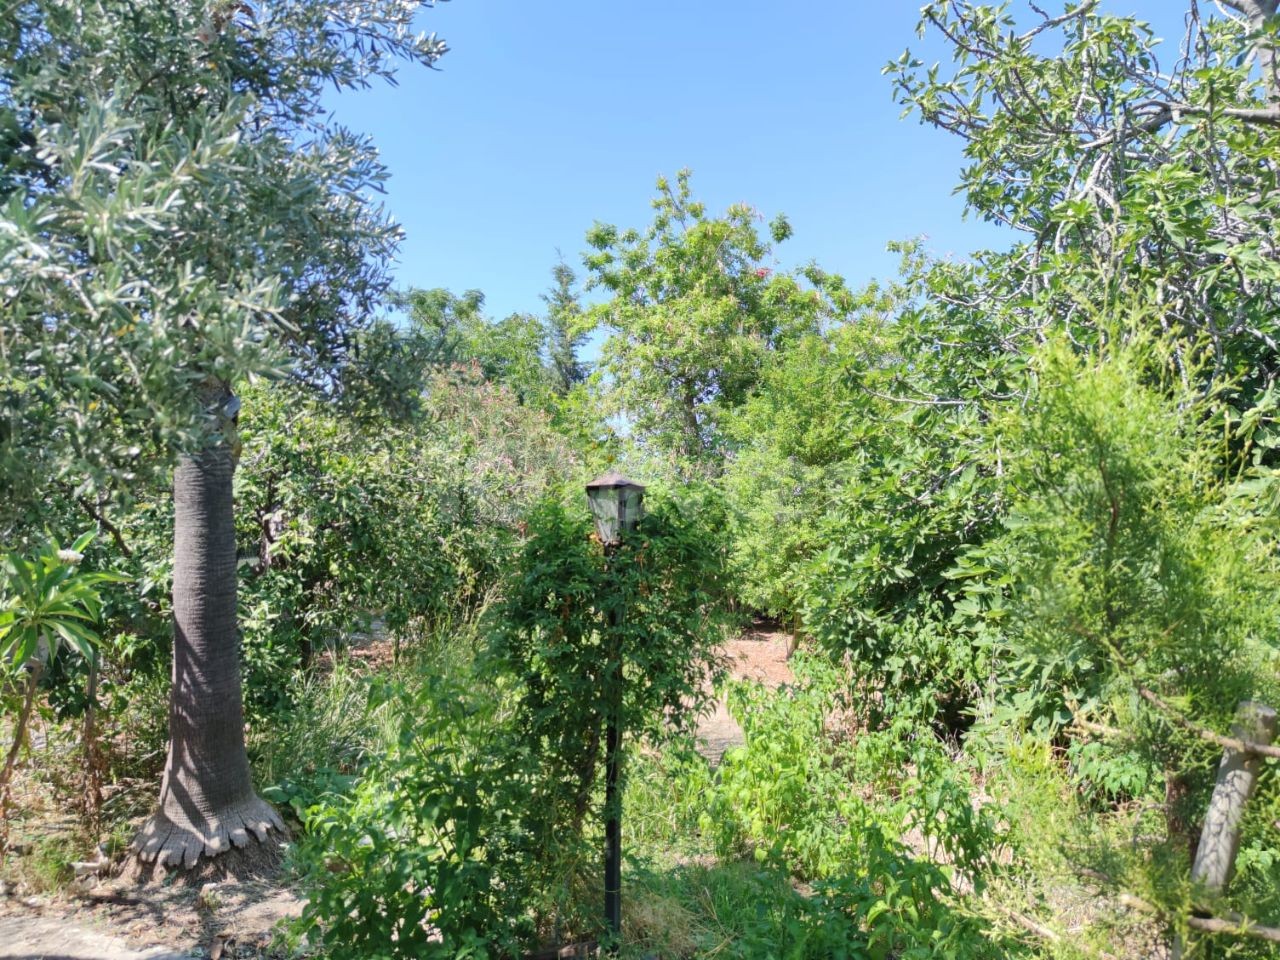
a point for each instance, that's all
(612, 801)
(617, 505)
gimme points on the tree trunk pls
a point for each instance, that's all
(19, 738)
(91, 760)
(207, 800)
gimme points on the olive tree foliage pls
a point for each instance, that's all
(180, 214)
(176, 207)
(1126, 162)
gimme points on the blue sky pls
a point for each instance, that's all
(546, 117)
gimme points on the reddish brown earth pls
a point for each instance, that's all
(759, 654)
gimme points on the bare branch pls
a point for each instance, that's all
(1233, 923)
(1052, 22)
(1209, 736)
(95, 512)
(1239, 927)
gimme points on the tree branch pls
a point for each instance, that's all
(1051, 22)
(1233, 923)
(105, 524)
(1227, 743)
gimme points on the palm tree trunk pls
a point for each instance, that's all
(207, 801)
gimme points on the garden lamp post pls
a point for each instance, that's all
(617, 504)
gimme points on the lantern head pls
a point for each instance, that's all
(617, 504)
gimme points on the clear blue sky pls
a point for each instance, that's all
(546, 117)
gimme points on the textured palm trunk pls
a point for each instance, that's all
(207, 801)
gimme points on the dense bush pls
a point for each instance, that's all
(863, 474)
(1136, 596)
(433, 854)
(802, 802)
(469, 837)
(340, 530)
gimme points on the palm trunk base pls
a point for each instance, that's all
(246, 840)
(209, 812)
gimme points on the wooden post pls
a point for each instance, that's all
(1237, 777)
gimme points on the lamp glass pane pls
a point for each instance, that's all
(630, 507)
(604, 507)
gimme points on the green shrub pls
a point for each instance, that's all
(791, 798)
(784, 796)
(438, 851)
(552, 634)
(1139, 608)
(742, 911)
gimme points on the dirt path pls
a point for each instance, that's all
(125, 922)
(49, 938)
(759, 654)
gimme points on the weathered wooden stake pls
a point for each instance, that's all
(1237, 777)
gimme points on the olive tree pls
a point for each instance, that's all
(178, 213)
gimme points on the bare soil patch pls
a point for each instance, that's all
(121, 921)
(759, 654)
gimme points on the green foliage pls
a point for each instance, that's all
(863, 473)
(790, 441)
(694, 314)
(1132, 167)
(796, 801)
(537, 358)
(778, 796)
(177, 206)
(564, 336)
(554, 634)
(323, 743)
(347, 525)
(468, 837)
(1139, 605)
(736, 910)
(798, 806)
(1029, 527)
(47, 601)
(432, 855)
(1120, 559)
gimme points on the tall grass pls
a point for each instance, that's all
(345, 712)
